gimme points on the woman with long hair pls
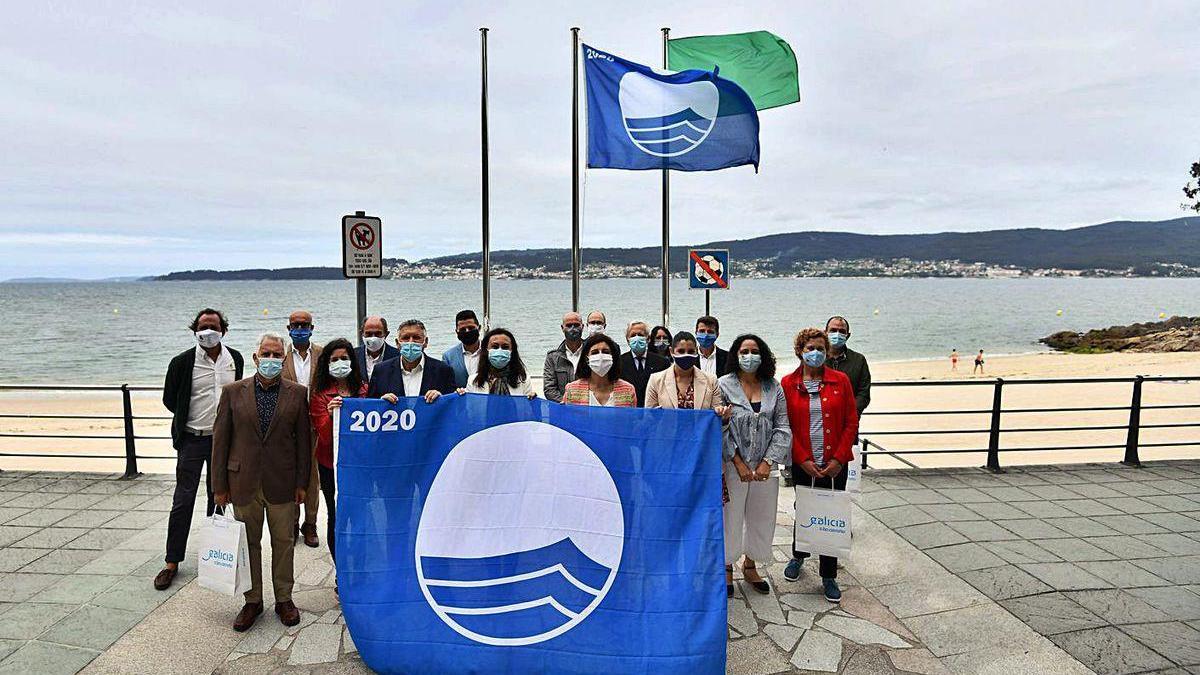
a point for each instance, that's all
(501, 372)
(660, 341)
(598, 376)
(337, 376)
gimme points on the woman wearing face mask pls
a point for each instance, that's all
(684, 385)
(824, 420)
(660, 341)
(337, 376)
(501, 372)
(598, 377)
(757, 438)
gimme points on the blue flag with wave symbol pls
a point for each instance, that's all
(642, 118)
(499, 534)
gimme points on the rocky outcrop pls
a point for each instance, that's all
(1177, 334)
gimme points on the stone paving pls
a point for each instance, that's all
(1103, 560)
(1038, 570)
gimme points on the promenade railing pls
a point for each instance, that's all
(874, 440)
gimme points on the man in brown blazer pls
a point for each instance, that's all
(300, 366)
(261, 462)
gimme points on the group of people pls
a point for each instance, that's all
(267, 439)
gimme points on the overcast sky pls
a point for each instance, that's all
(143, 139)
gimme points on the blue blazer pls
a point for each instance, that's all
(360, 353)
(456, 359)
(388, 378)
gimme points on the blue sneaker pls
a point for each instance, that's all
(832, 592)
(792, 571)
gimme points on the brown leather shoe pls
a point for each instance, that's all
(162, 581)
(245, 618)
(309, 531)
(288, 614)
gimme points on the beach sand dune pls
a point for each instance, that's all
(79, 454)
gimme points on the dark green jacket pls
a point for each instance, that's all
(854, 365)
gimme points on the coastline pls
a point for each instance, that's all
(884, 399)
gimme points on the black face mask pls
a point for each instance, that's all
(574, 333)
(468, 336)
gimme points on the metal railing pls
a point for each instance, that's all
(1132, 427)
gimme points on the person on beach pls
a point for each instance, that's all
(414, 373)
(757, 438)
(954, 360)
(338, 376)
(463, 358)
(640, 362)
(298, 367)
(598, 378)
(503, 372)
(262, 450)
(823, 415)
(596, 323)
(562, 361)
(375, 349)
(660, 342)
(191, 391)
(712, 358)
(978, 363)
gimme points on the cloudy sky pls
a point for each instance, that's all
(142, 139)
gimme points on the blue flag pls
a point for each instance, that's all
(498, 534)
(640, 118)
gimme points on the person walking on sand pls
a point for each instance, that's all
(978, 363)
(954, 359)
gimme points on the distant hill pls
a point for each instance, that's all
(1118, 245)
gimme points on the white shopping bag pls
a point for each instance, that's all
(224, 557)
(823, 521)
(854, 474)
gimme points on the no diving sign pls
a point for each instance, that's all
(362, 247)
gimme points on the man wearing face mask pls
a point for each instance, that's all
(298, 368)
(414, 373)
(639, 363)
(562, 361)
(463, 357)
(596, 323)
(712, 357)
(848, 361)
(374, 349)
(191, 391)
(262, 460)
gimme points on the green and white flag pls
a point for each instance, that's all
(760, 62)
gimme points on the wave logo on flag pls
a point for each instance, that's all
(667, 121)
(552, 565)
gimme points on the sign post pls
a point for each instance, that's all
(362, 256)
(708, 269)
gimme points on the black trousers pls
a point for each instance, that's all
(828, 565)
(327, 489)
(193, 455)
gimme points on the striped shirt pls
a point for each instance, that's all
(816, 422)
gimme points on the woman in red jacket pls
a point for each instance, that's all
(824, 420)
(337, 376)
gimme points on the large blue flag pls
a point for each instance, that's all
(641, 118)
(498, 534)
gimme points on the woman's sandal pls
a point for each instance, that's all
(761, 585)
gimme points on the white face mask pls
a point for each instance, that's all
(373, 342)
(593, 328)
(208, 338)
(340, 368)
(600, 363)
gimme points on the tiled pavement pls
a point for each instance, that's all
(1103, 560)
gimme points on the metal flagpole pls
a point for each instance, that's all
(575, 170)
(483, 137)
(666, 218)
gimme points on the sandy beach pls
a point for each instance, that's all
(74, 454)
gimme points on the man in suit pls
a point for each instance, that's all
(463, 358)
(414, 373)
(262, 454)
(561, 361)
(374, 349)
(298, 368)
(191, 391)
(712, 357)
(639, 363)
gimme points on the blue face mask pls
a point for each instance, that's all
(686, 361)
(411, 351)
(814, 359)
(499, 358)
(706, 340)
(838, 339)
(300, 336)
(269, 367)
(638, 344)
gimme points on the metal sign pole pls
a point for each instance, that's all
(666, 218)
(483, 121)
(360, 290)
(707, 302)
